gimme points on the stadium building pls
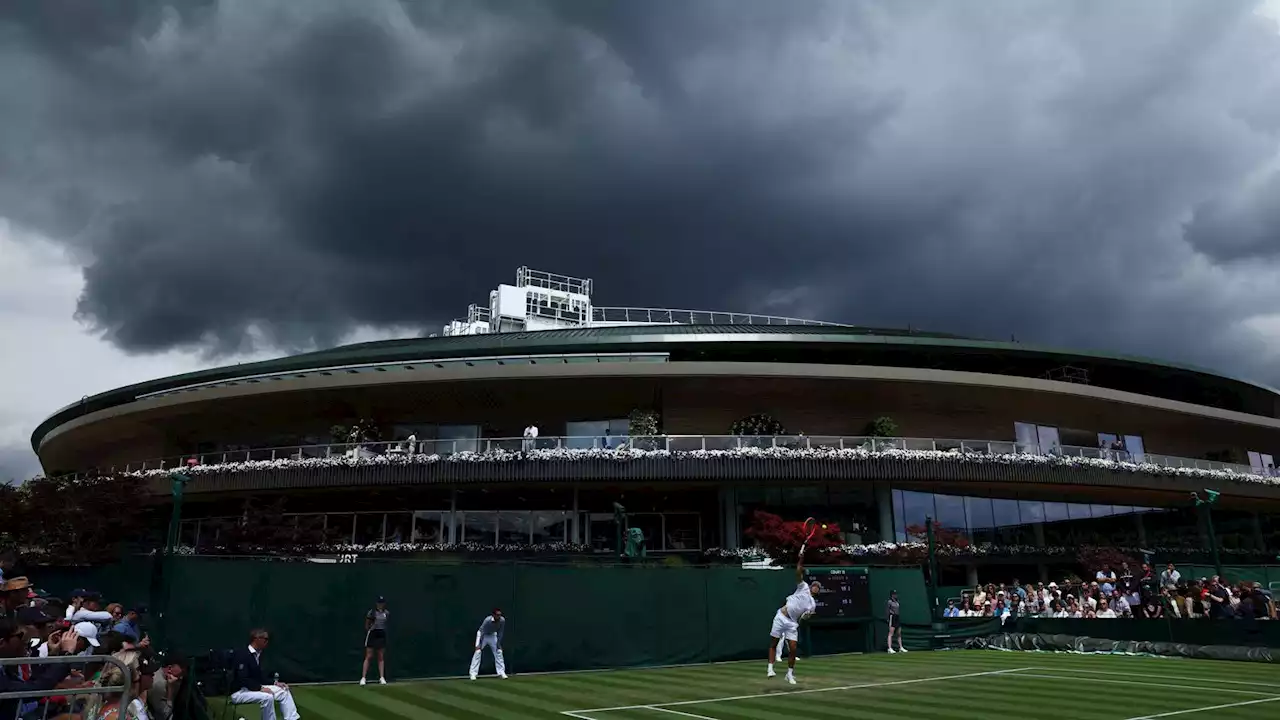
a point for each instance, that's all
(694, 420)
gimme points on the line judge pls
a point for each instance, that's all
(489, 636)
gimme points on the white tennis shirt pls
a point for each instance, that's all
(800, 604)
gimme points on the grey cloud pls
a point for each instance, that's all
(1241, 227)
(17, 463)
(244, 169)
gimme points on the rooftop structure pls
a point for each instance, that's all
(548, 301)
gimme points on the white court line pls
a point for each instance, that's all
(1206, 709)
(1166, 677)
(682, 703)
(680, 712)
(439, 678)
(1145, 683)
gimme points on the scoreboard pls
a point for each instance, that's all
(846, 592)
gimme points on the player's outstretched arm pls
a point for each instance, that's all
(800, 566)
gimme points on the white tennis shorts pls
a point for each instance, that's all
(784, 627)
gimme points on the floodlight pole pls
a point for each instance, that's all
(160, 602)
(177, 483)
(1211, 497)
(933, 570)
(619, 519)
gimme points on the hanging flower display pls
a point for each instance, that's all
(752, 452)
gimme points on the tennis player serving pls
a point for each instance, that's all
(799, 606)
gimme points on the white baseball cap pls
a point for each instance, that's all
(88, 631)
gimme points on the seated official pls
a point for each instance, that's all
(249, 680)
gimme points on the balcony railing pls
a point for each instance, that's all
(678, 444)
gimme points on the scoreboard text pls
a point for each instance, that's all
(846, 592)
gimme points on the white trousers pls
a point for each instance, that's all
(486, 641)
(268, 701)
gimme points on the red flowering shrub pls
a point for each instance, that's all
(781, 539)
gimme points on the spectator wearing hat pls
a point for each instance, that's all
(13, 594)
(91, 610)
(77, 601)
(38, 626)
(375, 639)
(43, 677)
(88, 634)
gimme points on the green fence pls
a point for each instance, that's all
(1268, 575)
(1190, 632)
(559, 617)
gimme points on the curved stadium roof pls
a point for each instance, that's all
(746, 343)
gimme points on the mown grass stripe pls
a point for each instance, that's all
(364, 707)
(500, 695)
(516, 690)
(450, 704)
(884, 687)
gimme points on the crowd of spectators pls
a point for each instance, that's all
(1120, 595)
(33, 624)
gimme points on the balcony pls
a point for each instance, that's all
(695, 458)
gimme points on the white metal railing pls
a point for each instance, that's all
(73, 660)
(677, 443)
(669, 316)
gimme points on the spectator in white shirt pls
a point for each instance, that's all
(91, 610)
(530, 437)
(1106, 577)
(1103, 610)
(1119, 604)
(1170, 577)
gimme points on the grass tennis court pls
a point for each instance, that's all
(960, 684)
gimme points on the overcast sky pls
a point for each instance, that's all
(194, 183)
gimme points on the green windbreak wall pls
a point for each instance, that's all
(913, 599)
(558, 617)
(1192, 632)
(1268, 575)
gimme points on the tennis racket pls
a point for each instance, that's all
(809, 528)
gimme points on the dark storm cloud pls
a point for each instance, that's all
(1085, 173)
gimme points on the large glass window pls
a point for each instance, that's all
(683, 531)
(1031, 511)
(478, 527)
(1009, 530)
(982, 521)
(951, 514)
(513, 527)
(368, 528)
(596, 433)
(429, 527)
(916, 507)
(457, 438)
(651, 524)
(602, 531)
(338, 527)
(1055, 512)
(550, 526)
(399, 528)
(190, 530)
